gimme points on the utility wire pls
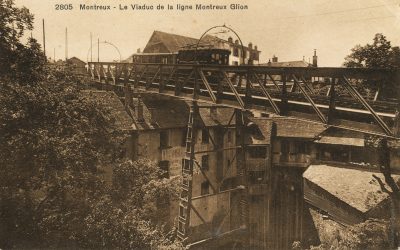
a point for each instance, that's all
(340, 11)
(371, 18)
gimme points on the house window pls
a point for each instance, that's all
(204, 162)
(164, 139)
(301, 147)
(205, 188)
(258, 152)
(235, 63)
(204, 136)
(285, 147)
(164, 166)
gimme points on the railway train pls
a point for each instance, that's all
(186, 56)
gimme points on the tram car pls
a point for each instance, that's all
(186, 56)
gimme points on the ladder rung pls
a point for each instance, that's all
(186, 171)
(182, 220)
(181, 236)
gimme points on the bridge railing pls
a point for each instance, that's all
(292, 94)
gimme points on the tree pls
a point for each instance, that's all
(19, 62)
(379, 54)
(129, 217)
(51, 193)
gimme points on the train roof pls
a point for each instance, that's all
(149, 54)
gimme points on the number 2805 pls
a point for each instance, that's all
(63, 6)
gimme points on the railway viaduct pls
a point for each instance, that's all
(271, 92)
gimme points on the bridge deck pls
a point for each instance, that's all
(272, 90)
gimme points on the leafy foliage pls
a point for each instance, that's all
(51, 192)
(19, 62)
(379, 54)
(54, 142)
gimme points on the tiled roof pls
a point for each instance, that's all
(75, 60)
(262, 134)
(355, 187)
(122, 119)
(297, 128)
(216, 116)
(166, 112)
(159, 112)
(287, 64)
(172, 42)
(339, 136)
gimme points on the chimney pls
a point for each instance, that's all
(269, 62)
(274, 59)
(236, 42)
(250, 46)
(138, 50)
(315, 59)
(140, 116)
(230, 39)
(255, 47)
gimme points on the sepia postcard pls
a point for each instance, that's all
(199, 124)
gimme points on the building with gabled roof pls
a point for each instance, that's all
(163, 42)
(169, 44)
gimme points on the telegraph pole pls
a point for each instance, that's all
(44, 40)
(91, 47)
(98, 49)
(66, 44)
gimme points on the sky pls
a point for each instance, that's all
(289, 29)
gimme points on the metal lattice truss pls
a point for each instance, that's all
(286, 91)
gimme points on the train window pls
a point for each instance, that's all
(217, 56)
(213, 55)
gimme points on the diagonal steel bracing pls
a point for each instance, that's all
(361, 99)
(265, 92)
(207, 84)
(310, 100)
(230, 84)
